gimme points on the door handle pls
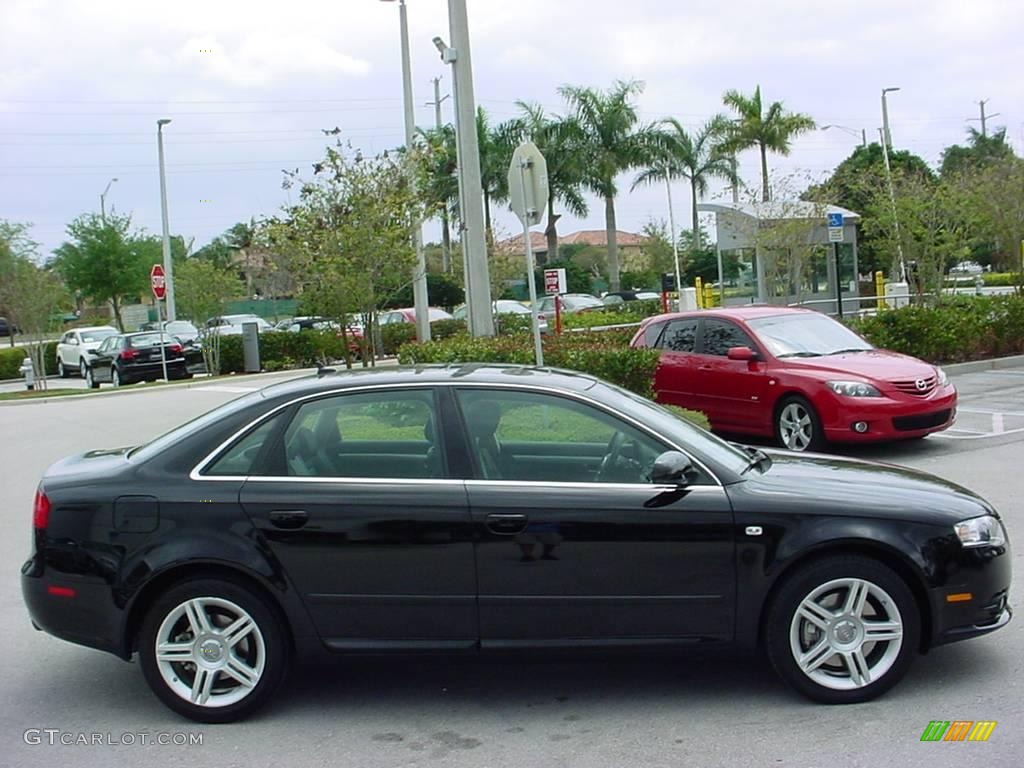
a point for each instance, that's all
(289, 518)
(506, 524)
(705, 367)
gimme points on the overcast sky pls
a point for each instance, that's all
(82, 83)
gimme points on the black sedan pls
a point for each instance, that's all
(129, 358)
(481, 508)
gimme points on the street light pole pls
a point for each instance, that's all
(853, 132)
(886, 135)
(168, 265)
(478, 282)
(419, 279)
(103, 200)
(892, 201)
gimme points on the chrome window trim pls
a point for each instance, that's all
(195, 473)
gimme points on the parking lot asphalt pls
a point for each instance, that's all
(711, 709)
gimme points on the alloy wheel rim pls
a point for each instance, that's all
(846, 634)
(210, 652)
(115, 378)
(82, 368)
(796, 427)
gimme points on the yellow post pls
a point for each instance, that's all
(880, 288)
(699, 285)
(710, 298)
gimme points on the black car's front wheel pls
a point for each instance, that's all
(843, 630)
(212, 650)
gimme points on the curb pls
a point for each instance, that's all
(977, 366)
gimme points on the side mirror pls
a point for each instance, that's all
(744, 354)
(673, 468)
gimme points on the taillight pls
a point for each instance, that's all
(41, 511)
(128, 354)
(175, 349)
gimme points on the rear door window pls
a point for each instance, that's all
(680, 336)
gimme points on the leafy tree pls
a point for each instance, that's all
(106, 260)
(697, 158)
(979, 152)
(560, 140)
(658, 247)
(613, 141)
(855, 184)
(346, 241)
(202, 289)
(442, 291)
(768, 130)
(993, 199)
(15, 246)
(702, 261)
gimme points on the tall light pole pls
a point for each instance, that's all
(675, 241)
(168, 265)
(886, 135)
(420, 299)
(892, 201)
(863, 133)
(103, 200)
(474, 241)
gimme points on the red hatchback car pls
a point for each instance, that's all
(793, 374)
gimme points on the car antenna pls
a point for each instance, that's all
(322, 370)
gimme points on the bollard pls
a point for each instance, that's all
(880, 288)
(29, 372)
(699, 285)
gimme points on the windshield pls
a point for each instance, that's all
(144, 340)
(804, 334)
(97, 335)
(180, 326)
(438, 314)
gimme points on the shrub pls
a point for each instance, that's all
(598, 354)
(960, 329)
(694, 417)
(12, 357)
(613, 314)
(394, 335)
(281, 350)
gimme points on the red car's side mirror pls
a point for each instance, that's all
(742, 353)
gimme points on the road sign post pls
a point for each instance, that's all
(836, 236)
(158, 282)
(528, 192)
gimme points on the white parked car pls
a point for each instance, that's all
(71, 345)
(231, 325)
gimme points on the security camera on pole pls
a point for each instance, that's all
(528, 191)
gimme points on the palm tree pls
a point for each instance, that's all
(767, 130)
(698, 158)
(560, 141)
(614, 141)
(438, 182)
(496, 146)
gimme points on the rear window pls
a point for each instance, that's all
(99, 335)
(145, 340)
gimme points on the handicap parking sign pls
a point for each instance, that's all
(835, 219)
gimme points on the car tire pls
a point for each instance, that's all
(820, 622)
(62, 370)
(797, 426)
(258, 656)
(90, 380)
(115, 377)
(82, 368)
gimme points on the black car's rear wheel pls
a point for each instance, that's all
(212, 650)
(90, 379)
(115, 376)
(843, 630)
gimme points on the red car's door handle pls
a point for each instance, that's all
(705, 367)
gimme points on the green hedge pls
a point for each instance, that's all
(599, 354)
(614, 314)
(395, 335)
(282, 350)
(12, 357)
(957, 330)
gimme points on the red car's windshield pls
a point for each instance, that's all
(806, 335)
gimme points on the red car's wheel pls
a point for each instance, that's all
(797, 426)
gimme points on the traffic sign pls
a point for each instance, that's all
(835, 234)
(158, 282)
(528, 183)
(554, 281)
(835, 220)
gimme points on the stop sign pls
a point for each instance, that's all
(157, 281)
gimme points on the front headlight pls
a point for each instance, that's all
(984, 531)
(943, 378)
(853, 389)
